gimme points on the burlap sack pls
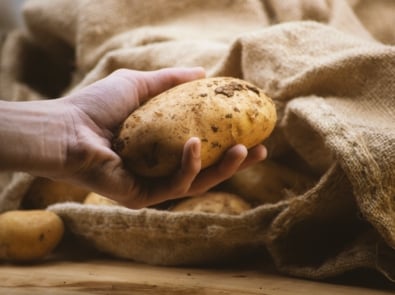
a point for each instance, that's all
(330, 67)
(169, 238)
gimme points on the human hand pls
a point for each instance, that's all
(77, 141)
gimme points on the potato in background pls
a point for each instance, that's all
(268, 182)
(213, 202)
(29, 235)
(44, 192)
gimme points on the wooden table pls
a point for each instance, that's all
(98, 274)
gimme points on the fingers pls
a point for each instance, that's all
(190, 180)
(190, 168)
(236, 159)
(214, 175)
(123, 187)
(255, 155)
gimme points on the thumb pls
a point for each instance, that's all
(154, 82)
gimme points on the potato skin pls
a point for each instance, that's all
(29, 235)
(215, 202)
(221, 111)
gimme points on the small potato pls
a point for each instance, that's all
(29, 235)
(213, 202)
(221, 111)
(44, 192)
(96, 199)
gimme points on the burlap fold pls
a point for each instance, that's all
(329, 66)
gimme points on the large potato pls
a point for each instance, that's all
(28, 235)
(221, 111)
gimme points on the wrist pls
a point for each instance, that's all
(29, 140)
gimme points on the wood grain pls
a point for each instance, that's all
(109, 276)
